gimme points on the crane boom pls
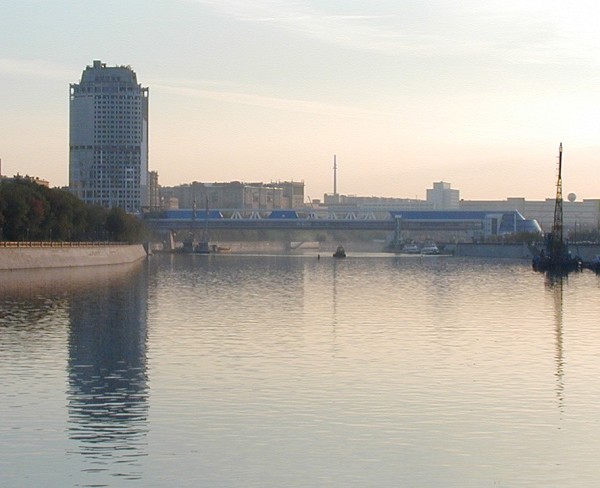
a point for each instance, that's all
(557, 245)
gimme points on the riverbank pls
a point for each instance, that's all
(37, 255)
(284, 247)
(586, 252)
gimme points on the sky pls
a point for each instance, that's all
(404, 93)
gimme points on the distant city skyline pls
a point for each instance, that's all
(404, 93)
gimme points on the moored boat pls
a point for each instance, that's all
(411, 248)
(430, 248)
(340, 252)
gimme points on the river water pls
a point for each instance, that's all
(289, 371)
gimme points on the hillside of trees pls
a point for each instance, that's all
(32, 212)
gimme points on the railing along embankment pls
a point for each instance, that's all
(13, 244)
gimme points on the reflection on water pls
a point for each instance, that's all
(271, 371)
(108, 392)
(369, 372)
(90, 322)
(555, 284)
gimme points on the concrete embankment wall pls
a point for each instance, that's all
(12, 258)
(587, 252)
(512, 251)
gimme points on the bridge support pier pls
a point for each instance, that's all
(398, 233)
(169, 240)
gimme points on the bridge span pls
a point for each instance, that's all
(346, 220)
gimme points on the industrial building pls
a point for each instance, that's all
(578, 216)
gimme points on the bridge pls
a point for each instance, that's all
(482, 222)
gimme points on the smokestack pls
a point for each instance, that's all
(334, 175)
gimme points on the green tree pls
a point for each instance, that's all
(16, 223)
(29, 211)
(123, 227)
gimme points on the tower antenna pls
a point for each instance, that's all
(334, 175)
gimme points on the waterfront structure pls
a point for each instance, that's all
(41, 255)
(443, 210)
(447, 225)
(108, 138)
(577, 215)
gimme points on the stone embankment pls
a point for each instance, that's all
(35, 255)
(587, 252)
(490, 250)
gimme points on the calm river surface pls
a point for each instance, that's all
(288, 371)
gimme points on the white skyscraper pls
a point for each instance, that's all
(108, 152)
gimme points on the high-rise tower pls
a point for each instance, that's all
(108, 152)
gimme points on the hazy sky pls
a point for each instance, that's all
(405, 93)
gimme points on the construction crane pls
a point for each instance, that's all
(556, 245)
(556, 257)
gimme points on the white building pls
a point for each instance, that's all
(577, 215)
(108, 152)
(443, 197)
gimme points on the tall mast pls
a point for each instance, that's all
(557, 226)
(334, 175)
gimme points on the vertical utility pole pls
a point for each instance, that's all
(334, 175)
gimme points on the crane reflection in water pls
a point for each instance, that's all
(555, 283)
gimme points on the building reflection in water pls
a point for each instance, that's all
(108, 385)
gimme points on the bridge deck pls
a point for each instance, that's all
(310, 224)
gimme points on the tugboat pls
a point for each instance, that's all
(340, 252)
(555, 257)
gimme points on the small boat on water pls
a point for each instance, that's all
(340, 252)
(192, 246)
(430, 248)
(203, 247)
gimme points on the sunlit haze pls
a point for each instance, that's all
(405, 93)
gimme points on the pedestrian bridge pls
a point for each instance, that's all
(479, 222)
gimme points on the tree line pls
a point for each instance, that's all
(32, 212)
